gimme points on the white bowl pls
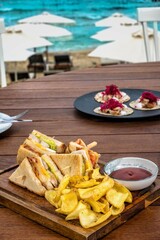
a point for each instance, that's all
(135, 162)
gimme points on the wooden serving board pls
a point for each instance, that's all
(39, 210)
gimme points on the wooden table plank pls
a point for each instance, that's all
(135, 228)
(47, 93)
(86, 81)
(50, 101)
(52, 127)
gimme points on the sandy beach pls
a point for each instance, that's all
(79, 59)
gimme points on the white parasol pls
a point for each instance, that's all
(46, 17)
(15, 45)
(41, 30)
(15, 55)
(131, 49)
(116, 33)
(116, 19)
(23, 40)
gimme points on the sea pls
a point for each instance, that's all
(84, 12)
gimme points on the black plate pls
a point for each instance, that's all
(86, 104)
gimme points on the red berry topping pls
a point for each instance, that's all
(112, 90)
(111, 104)
(148, 95)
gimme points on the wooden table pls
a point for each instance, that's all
(50, 101)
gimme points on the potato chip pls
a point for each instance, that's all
(63, 184)
(107, 205)
(116, 211)
(87, 184)
(75, 214)
(66, 190)
(120, 188)
(98, 191)
(96, 205)
(69, 202)
(50, 196)
(95, 174)
(89, 218)
(77, 179)
(115, 198)
(92, 198)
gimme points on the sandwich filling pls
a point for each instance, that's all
(50, 143)
(43, 173)
(90, 157)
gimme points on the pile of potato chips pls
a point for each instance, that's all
(92, 199)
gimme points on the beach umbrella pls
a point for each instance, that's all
(116, 33)
(131, 49)
(46, 17)
(41, 30)
(15, 45)
(116, 19)
(16, 54)
(23, 40)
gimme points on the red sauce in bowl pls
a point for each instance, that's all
(131, 173)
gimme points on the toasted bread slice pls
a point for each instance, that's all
(69, 164)
(25, 177)
(27, 151)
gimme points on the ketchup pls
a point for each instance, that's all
(130, 173)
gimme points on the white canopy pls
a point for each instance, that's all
(131, 49)
(115, 33)
(116, 19)
(16, 54)
(41, 30)
(15, 45)
(46, 17)
(22, 40)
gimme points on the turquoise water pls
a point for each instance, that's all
(84, 12)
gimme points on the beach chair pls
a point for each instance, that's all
(63, 62)
(36, 63)
(20, 75)
(150, 16)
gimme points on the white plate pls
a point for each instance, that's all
(4, 126)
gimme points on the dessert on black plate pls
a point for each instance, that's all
(111, 91)
(147, 101)
(113, 107)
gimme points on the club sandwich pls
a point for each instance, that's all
(44, 161)
(25, 177)
(39, 144)
(79, 147)
(39, 174)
